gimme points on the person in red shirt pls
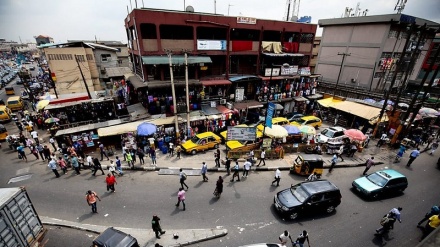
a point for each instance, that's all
(111, 181)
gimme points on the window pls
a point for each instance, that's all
(119, 61)
(89, 57)
(80, 58)
(106, 57)
(307, 38)
(69, 56)
(378, 74)
(393, 34)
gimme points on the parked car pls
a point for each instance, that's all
(381, 182)
(280, 121)
(201, 142)
(308, 197)
(330, 133)
(242, 145)
(308, 120)
(294, 116)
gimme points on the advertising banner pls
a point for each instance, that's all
(241, 133)
(269, 114)
(213, 45)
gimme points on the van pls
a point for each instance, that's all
(15, 103)
(5, 113)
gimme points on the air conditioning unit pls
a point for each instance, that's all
(222, 101)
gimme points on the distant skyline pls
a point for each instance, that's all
(104, 19)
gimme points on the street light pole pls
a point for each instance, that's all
(343, 54)
(82, 75)
(174, 95)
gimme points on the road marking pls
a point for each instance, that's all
(22, 171)
(19, 178)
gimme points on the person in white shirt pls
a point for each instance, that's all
(34, 135)
(262, 158)
(247, 166)
(89, 161)
(251, 156)
(52, 142)
(285, 237)
(277, 177)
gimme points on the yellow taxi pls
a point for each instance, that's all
(15, 103)
(224, 134)
(201, 142)
(5, 113)
(308, 120)
(280, 121)
(3, 133)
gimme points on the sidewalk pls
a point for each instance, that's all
(146, 237)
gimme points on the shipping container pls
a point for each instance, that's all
(20, 225)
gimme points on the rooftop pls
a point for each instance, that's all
(78, 44)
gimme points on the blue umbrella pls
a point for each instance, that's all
(292, 129)
(146, 129)
(370, 100)
(389, 102)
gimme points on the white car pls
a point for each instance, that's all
(330, 133)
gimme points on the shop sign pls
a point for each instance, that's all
(304, 71)
(239, 94)
(275, 71)
(246, 20)
(214, 45)
(269, 114)
(203, 67)
(267, 142)
(241, 133)
(289, 70)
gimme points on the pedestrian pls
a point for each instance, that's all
(218, 187)
(91, 197)
(353, 149)
(21, 153)
(433, 223)
(181, 198)
(34, 135)
(153, 156)
(155, 224)
(277, 177)
(119, 166)
(129, 160)
(75, 164)
(62, 164)
(228, 166)
(334, 161)
(435, 210)
(389, 219)
(182, 178)
(340, 152)
(302, 239)
(34, 151)
(97, 166)
(112, 168)
(52, 142)
(382, 140)
(246, 168)
(262, 158)
(367, 140)
(203, 171)
(141, 155)
(217, 158)
(53, 165)
(434, 147)
(236, 170)
(336, 119)
(40, 150)
(110, 180)
(103, 153)
(399, 155)
(412, 156)
(430, 140)
(171, 151)
(251, 156)
(46, 152)
(368, 164)
(89, 160)
(178, 151)
(284, 237)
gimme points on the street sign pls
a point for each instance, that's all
(269, 114)
(241, 133)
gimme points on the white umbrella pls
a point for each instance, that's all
(404, 105)
(278, 107)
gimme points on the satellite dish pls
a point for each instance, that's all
(189, 8)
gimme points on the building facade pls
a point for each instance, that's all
(229, 58)
(123, 59)
(363, 51)
(315, 51)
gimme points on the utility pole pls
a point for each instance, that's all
(174, 94)
(82, 75)
(343, 54)
(188, 126)
(229, 6)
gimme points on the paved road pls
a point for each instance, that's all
(245, 208)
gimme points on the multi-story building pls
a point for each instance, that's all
(364, 50)
(122, 53)
(43, 39)
(315, 51)
(229, 58)
(63, 61)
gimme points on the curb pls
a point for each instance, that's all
(69, 226)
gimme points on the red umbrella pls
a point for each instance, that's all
(355, 134)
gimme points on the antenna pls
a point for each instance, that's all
(400, 5)
(229, 6)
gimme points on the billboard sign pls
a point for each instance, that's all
(246, 20)
(289, 70)
(275, 71)
(241, 133)
(269, 114)
(213, 45)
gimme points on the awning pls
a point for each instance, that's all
(167, 84)
(88, 127)
(210, 110)
(223, 109)
(136, 82)
(132, 127)
(215, 82)
(328, 102)
(268, 78)
(54, 105)
(175, 59)
(117, 71)
(137, 111)
(367, 112)
(299, 99)
(248, 104)
(314, 96)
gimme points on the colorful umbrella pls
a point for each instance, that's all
(146, 129)
(428, 112)
(308, 130)
(355, 134)
(389, 102)
(403, 105)
(52, 120)
(370, 100)
(42, 103)
(291, 130)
